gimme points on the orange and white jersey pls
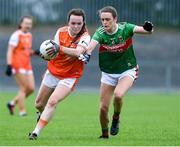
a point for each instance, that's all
(65, 66)
(21, 53)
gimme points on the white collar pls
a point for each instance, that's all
(114, 31)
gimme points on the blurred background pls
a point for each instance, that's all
(158, 55)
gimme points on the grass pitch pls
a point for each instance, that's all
(146, 119)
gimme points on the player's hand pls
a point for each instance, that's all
(54, 50)
(85, 57)
(43, 57)
(148, 26)
(36, 52)
(56, 46)
(51, 51)
(8, 71)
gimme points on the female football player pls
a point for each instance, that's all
(117, 62)
(19, 64)
(64, 71)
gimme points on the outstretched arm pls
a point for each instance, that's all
(92, 46)
(147, 28)
(85, 57)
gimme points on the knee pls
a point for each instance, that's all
(118, 95)
(30, 89)
(52, 103)
(39, 105)
(104, 109)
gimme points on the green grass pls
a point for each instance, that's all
(146, 119)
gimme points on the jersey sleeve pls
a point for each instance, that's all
(130, 28)
(56, 37)
(97, 37)
(84, 41)
(14, 39)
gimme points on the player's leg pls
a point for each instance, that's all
(20, 97)
(126, 80)
(106, 92)
(42, 97)
(30, 87)
(60, 92)
(47, 87)
(122, 87)
(63, 88)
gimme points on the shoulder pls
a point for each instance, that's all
(85, 34)
(14, 39)
(122, 25)
(29, 34)
(16, 33)
(125, 25)
(100, 30)
(63, 29)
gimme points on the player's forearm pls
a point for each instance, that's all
(71, 51)
(9, 56)
(147, 28)
(91, 46)
(32, 52)
(141, 30)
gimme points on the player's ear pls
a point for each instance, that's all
(115, 19)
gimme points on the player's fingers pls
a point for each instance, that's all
(50, 52)
(81, 57)
(49, 49)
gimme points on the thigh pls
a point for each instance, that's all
(21, 80)
(43, 95)
(60, 93)
(30, 80)
(106, 92)
(123, 85)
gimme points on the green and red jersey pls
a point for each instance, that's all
(116, 53)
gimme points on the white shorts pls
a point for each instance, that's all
(51, 81)
(112, 79)
(22, 71)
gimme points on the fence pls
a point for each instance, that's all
(161, 12)
(160, 77)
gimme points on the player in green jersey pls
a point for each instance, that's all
(116, 61)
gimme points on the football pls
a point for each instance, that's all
(49, 49)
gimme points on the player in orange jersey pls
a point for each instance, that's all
(19, 64)
(64, 71)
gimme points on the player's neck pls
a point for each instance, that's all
(113, 29)
(24, 31)
(71, 33)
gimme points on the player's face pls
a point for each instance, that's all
(108, 21)
(26, 24)
(75, 24)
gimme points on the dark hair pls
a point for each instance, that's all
(22, 18)
(78, 12)
(109, 9)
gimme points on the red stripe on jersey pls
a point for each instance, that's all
(121, 47)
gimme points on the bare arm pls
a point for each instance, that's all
(80, 49)
(9, 54)
(92, 46)
(147, 28)
(86, 56)
(141, 30)
(73, 52)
